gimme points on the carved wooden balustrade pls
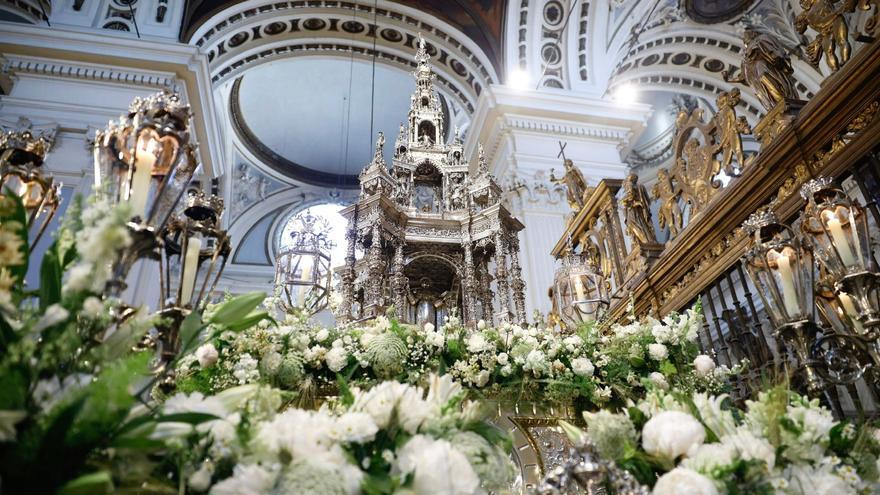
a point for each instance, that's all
(835, 134)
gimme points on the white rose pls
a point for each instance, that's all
(429, 327)
(658, 352)
(481, 324)
(207, 355)
(704, 365)
(502, 358)
(582, 367)
(684, 481)
(482, 378)
(322, 335)
(659, 380)
(672, 434)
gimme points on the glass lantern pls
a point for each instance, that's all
(145, 158)
(302, 268)
(21, 171)
(580, 291)
(838, 229)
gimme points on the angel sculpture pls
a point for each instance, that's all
(766, 68)
(729, 127)
(574, 181)
(669, 214)
(832, 31)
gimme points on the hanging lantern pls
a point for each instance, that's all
(146, 160)
(781, 268)
(837, 227)
(302, 269)
(579, 290)
(195, 253)
(21, 170)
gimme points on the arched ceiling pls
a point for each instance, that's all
(481, 20)
(309, 117)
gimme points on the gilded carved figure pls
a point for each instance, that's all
(729, 127)
(636, 205)
(669, 214)
(766, 68)
(832, 32)
(578, 190)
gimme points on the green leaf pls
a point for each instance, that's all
(89, 484)
(189, 330)
(249, 321)
(236, 309)
(193, 418)
(16, 215)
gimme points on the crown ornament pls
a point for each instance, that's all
(760, 219)
(812, 186)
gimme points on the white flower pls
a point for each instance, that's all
(709, 456)
(356, 427)
(92, 307)
(54, 315)
(506, 370)
(659, 380)
(704, 365)
(200, 480)
(380, 401)
(336, 359)
(682, 481)
(429, 327)
(502, 358)
(481, 324)
(245, 370)
(477, 343)
(662, 334)
(671, 434)
(435, 339)
(322, 335)
(582, 366)
(658, 352)
(207, 355)
(438, 468)
(751, 446)
(482, 378)
(536, 362)
(245, 480)
(412, 410)
(441, 390)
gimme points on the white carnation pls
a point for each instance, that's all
(582, 367)
(207, 355)
(704, 365)
(672, 434)
(682, 481)
(658, 352)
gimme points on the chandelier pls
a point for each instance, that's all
(828, 266)
(21, 170)
(302, 268)
(579, 290)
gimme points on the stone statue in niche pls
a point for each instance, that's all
(457, 192)
(578, 190)
(669, 214)
(729, 127)
(766, 68)
(636, 205)
(832, 32)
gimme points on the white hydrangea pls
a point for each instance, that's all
(536, 362)
(658, 352)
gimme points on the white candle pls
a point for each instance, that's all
(789, 293)
(140, 182)
(840, 241)
(190, 268)
(306, 277)
(850, 310)
(579, 290)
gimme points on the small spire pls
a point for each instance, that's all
(482, 167)
(457, 136)
(422, 56)
(379, 155)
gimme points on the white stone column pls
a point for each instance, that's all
(520, 131)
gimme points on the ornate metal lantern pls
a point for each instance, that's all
(837, 227)
(302, 269)
(21, 170)
(782, 269)
(579, 290)
(145, 159)
(195, 253)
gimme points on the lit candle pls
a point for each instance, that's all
(850, 310)
(789, 293)
(140, 182)
(190, 268)
(840, 241)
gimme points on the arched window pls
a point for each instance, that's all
(427, 132)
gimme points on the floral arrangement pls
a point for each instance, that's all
(393, 438)
(594, 367)
(700, 444)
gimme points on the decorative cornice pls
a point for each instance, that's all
(55, 68)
